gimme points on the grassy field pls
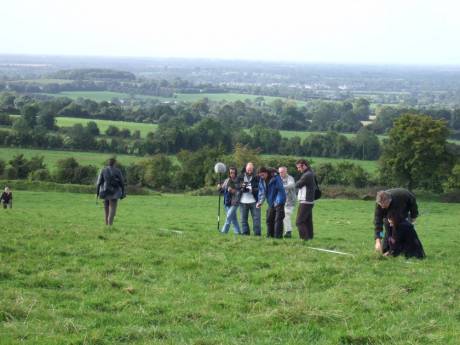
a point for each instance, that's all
(97, 159)
(144, 128)
(180, 97)
(45, 81)
(100, 96)
(163, 275)
(51, 156)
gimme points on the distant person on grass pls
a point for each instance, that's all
(231, 190)
(306, 186)
(397, 200)
(402, 238)
(110, 187)
(271, 188)
(7, 198)
(289, 187)
(249, 187)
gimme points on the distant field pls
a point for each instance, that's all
(45, 81)
(144, 128)
(98, 159)
(100, 96)
(230, 97)
(51, 156)
(369, 166)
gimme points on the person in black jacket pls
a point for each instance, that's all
(7, 198)
(111, 188)
(397, 200)
(306, 186)
(402, 238)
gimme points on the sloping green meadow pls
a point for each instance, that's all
(164, 275)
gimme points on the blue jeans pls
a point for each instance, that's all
(255, 213)
(232, 218)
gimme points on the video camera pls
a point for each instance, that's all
(245, 187)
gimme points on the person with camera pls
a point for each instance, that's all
(271, 188)
(110, 187)
(306, 186)
(249, 187)
(231, 191)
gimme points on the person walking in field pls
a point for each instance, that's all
(306, 186)
(110, 187)
(249, 186)
(271, 188)
(231, 191)
(397, 200)
(402, 238)
(289, 187)
(7, 198)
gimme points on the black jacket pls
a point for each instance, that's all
(6, 197)
(402, 202)
(306, 186)
(404, 240)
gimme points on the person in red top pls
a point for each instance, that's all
(7, 198)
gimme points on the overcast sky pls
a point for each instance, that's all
(339, 31)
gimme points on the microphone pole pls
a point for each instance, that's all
(219, 168)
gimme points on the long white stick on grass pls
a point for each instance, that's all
(330, 251)
(173, 231)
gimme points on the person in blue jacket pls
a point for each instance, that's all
(271, 189)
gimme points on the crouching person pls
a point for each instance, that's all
(271, 188)
(402, 238)
(231, 190)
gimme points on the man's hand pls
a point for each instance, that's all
(218, 186)
(378, 245)
(258, 205)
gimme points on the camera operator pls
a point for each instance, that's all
(249, 183)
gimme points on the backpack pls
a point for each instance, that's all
(318, 192)
(110, 185)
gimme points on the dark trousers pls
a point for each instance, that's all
(275, 217)
(304, 221)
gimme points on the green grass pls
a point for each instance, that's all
(66, 279)
(229, 97)
(369, 166)
(97, 159)
(52, 156)
(180, 97)
(144, 128)
(45, 81)
(99, 96)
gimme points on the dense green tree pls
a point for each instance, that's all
(415, 155)
(367, 145)
(361, 108)
(29, 113)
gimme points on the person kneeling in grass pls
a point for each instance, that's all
(403, 238)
